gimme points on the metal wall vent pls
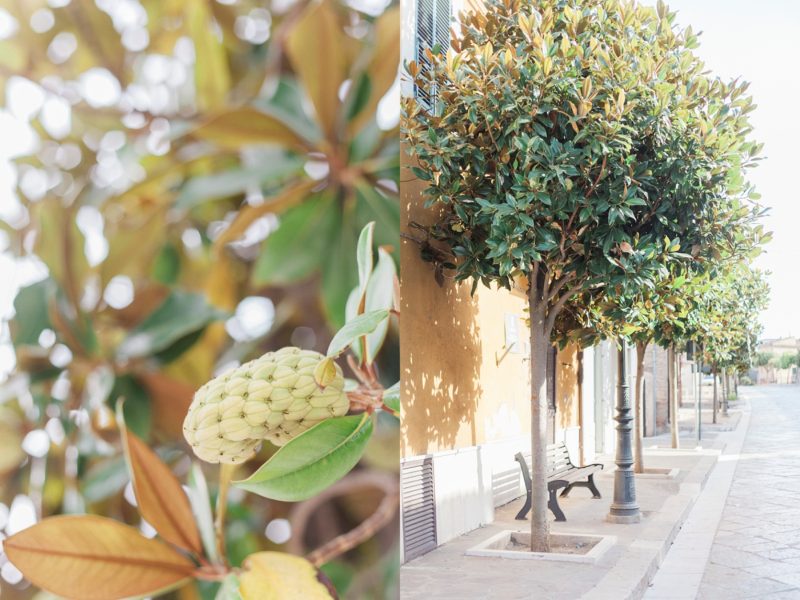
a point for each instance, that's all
(418, 505)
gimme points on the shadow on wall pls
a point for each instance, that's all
(440, 344)
(440, 362)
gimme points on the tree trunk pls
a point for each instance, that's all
(714, 400)
(698, 411)
(638, 462)
(679, 378)
(724, 381)
(673, 397)
(540, 344)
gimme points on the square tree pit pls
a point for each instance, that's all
(566, 547)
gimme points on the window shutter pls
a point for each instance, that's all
(433, 32)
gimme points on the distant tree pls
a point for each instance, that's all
(787, 361)
(764, 358)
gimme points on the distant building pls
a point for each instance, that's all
(776, 348)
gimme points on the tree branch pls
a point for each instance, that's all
(560, 283)
(554, 309)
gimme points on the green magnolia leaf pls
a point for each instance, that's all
(31, 307)
(181, 314)
(299, 246)
(199, 498)
(136, 408)
(229, 590)
(379, 294)
(104, 479)
(338, 275)
(391, 397)
(272, 167)
(361, 325)
(364, 256)
(312, 461)
(167, 265)
(284, 103)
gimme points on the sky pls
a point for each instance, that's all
(760, 42)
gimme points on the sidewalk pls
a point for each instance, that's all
(682, 570)
(624, 572)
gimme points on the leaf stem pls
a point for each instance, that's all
(225, 476)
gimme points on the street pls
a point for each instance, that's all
(756, 550)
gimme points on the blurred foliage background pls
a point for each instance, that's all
(186, 184)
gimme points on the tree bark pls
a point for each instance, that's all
(673, 397)
(714, 400)
(638, 462)
(679, 378)
(725, 385)
(540, 343)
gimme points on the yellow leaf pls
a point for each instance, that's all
(587, 87)
(95, 558)
(316, 49)
(287, 198)
(325, 372)
(159, 495)
(211, 75)
(382, 70)
(11, 454)
(60, 244)
(133, 245)
(279, 576)
(105, 47)
(245, 125)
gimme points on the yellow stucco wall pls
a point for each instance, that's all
(567, 389)
(460, 387)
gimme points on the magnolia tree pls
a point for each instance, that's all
(546, 148)
(653, 314)
(726, 321)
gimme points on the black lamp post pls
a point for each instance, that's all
(625, 508)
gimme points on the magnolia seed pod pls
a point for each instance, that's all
(273, 398)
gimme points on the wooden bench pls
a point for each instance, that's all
(561, 473)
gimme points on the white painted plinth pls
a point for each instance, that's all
(495, 547)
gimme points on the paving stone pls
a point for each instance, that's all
(756, 551)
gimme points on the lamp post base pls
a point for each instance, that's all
(624, 519)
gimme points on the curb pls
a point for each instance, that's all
(631, 576)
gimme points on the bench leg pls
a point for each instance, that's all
(585, 484)
(552, 504)
(523, 513)
(592, 487)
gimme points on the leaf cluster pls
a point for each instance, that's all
(582, 144)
